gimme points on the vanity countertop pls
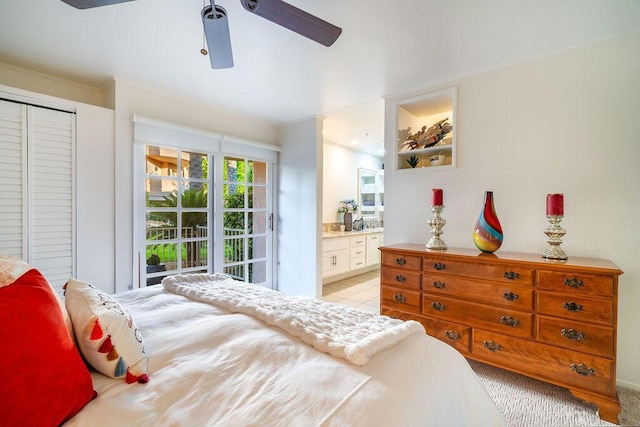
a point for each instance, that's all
(332, 234)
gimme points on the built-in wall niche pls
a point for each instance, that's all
(425, 130)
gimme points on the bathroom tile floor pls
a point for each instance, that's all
(362, 291)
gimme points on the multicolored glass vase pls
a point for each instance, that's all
(487, 234)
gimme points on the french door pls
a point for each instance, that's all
(205, 212)
(247, 220)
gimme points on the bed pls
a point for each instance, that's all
(237, 363)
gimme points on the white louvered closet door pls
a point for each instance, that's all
(37, 157)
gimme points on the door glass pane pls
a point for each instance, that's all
(194, 225)
(233, 250)
(233, 223)
(258, 272)
(195, 165)
(257, 247)
(234, 196)
(258, 197)
(257, 222)
(233, 170)
(257, 172)
(162, 161)
(158, 189)
(194, 254)
(161, 226)
(235, 271)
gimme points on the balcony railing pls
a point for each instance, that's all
(162, 253)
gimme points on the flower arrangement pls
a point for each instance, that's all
(347, 206)
(428, 137)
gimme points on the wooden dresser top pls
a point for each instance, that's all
(536, 260)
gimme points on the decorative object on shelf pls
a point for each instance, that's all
(426, 138)
(413, 161)
(436, 159)
(555, 213)
(487, 234)
(347, 207)
(436, 223)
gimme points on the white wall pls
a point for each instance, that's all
(44, 84)
(95, 196)
(340, 172)
(299, 212)
(568, 123)
(130, 100)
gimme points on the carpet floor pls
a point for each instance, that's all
(524, 401)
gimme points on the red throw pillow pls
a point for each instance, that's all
(44, 380)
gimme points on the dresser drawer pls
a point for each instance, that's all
(398, 314)
(498, 273)
(403, 299)
(504, 294)
(571, 368)
(577, 336)
(401, 278)
(576, 284)
(504, 320)
(598, 310)
(457, 336)
(403, 261)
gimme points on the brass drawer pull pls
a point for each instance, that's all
(572, 306)
(509, 321)
(572, 334)
(438, 306)
(400, 278)
(510, 296)
(491, 346)
(400, 298)
(439, 266)
(573, 282)
(583, 369)
(438, 284)
(452, 335)
(401, 261)
(511, 275)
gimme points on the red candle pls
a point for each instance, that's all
(436, 197)
(555, 204)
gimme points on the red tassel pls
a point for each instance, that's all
(113, 354)
(106, 346)
(142, 379)
(130, 378)
(96, 332)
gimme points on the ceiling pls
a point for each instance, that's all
(387, 47)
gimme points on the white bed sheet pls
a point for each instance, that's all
(209, 367)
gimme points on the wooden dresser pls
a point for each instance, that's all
(551, 320)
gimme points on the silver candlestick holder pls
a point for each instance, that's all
(437, 224)
(555, 233)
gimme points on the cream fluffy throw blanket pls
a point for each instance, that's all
(339, 330)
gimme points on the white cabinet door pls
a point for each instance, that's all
(373, 254)
(335, 256)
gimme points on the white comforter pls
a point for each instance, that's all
(210, 367)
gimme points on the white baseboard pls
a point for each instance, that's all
(627, 384)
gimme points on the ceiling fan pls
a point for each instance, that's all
(216, 25)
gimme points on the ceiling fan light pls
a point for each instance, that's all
(216, 30)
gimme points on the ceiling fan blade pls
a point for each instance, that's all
(216, 30)
(296, 20)
(88, 4)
